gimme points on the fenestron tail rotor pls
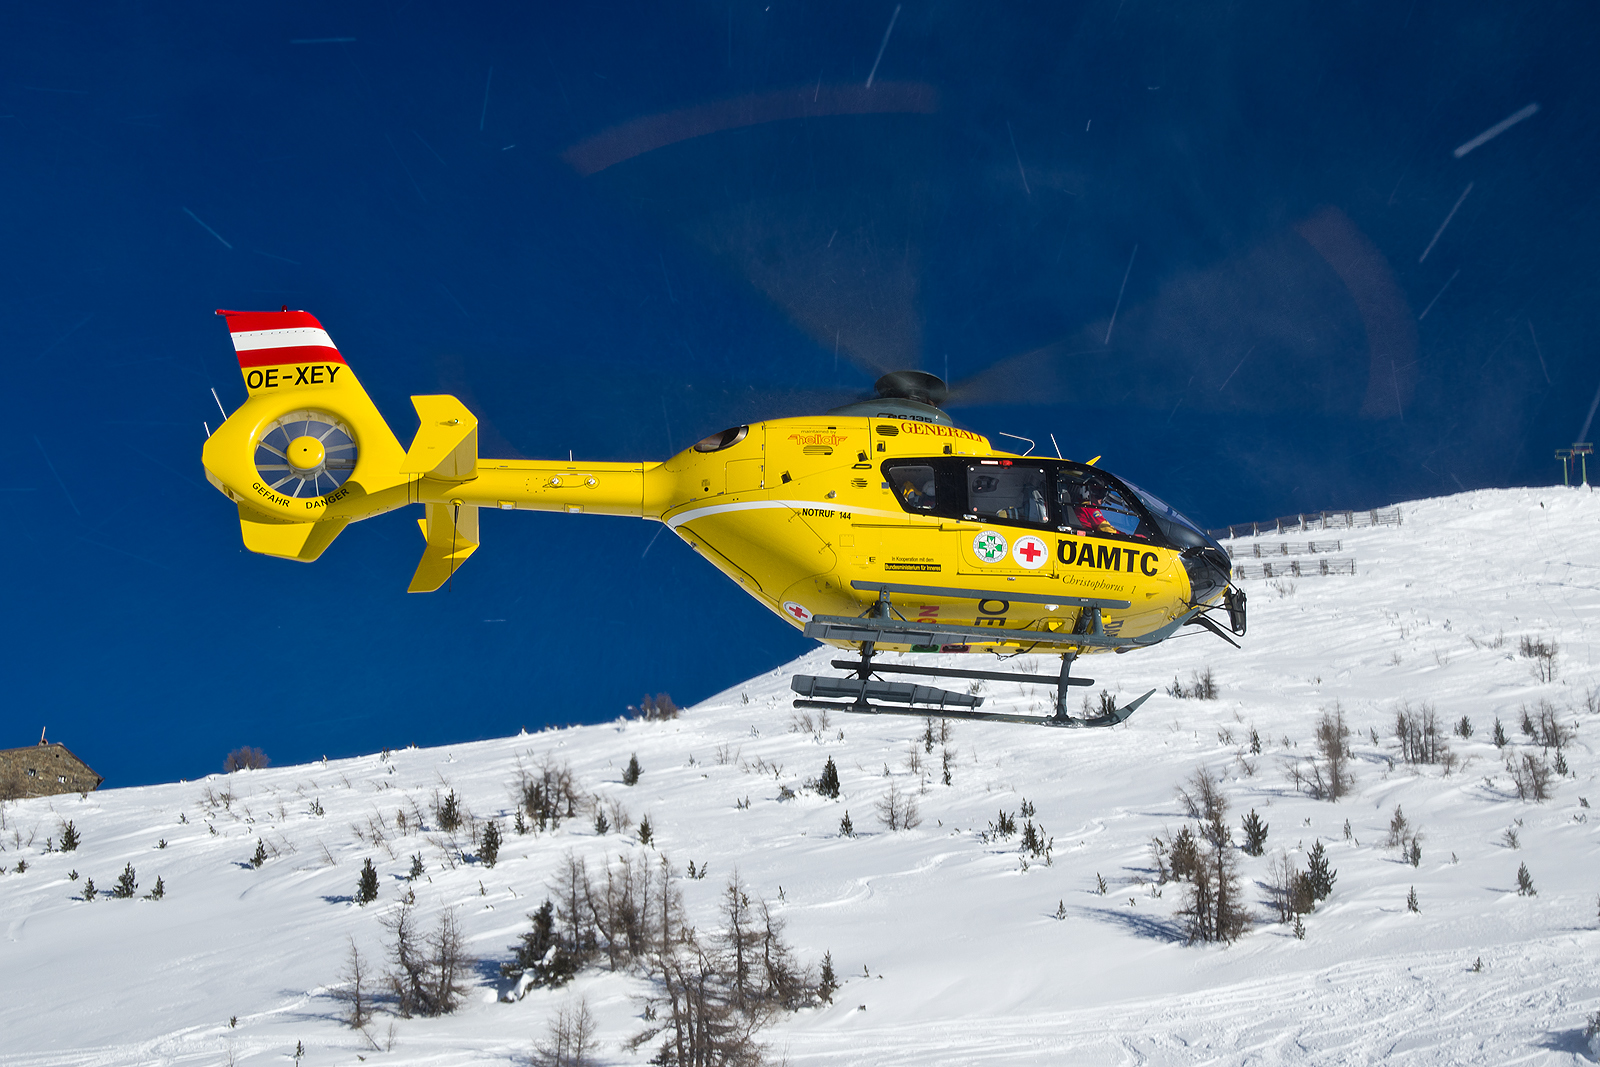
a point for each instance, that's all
(305, 454)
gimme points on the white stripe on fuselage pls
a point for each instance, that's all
(753, 505)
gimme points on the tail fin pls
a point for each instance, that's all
(308, 451)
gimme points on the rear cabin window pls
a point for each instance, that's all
(1012, 492)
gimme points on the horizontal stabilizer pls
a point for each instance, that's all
(446, 445)
(303, 541)
(451, 531)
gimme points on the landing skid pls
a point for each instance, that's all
(1070, 722)
(861, 690)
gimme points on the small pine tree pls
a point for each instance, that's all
(630, 776)
(519, 823)
(1525, 882)
(1255, 742)
(416, 866)
(1255, 834)
(1411, 901)
(846, 827)
(828, 982)
(489, 844)
(449, 813)
(1561, 764)
(1299, 928)
(1464, 728)
(158, 892)
(540, 953)
(1414, 852)
(260, 856)
(89, 891)
(1499, 735)
(1184, 854)
(828, 782)
(602, 825)
(125, 886)
(948, 760)
(367, 888)
(647, 833)
(1319, 874)
(69, 838)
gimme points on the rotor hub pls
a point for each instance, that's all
(306, 454)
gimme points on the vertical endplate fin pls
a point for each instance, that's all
(452, 534)
(446, 445)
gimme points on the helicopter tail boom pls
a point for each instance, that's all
(308, 453)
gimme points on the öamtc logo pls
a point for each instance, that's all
(990, 546)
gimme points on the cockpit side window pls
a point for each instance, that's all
(1008, 492)
(916, 487)
(1090, 503)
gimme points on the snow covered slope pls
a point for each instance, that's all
(952, 949)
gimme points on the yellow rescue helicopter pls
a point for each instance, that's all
(878, 526)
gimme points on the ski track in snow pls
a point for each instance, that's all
(950, 944)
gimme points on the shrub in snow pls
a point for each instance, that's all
(1499, 734)
(540, 956)
(1255, 834)
(898, 811)
(1531, 775)
(1464, 728)
(1320, 875)
(367, 887)
(846, 827)
(125, 886)
(828, 982)
(260, 855)
(489, 844)
(654, 708)
(427, 973)
(1398, 827)
(647, 833)
(570, 1040)
(69, 838)
(1213, 909)
(89, 891)
(244, 759)
(602, 825)
(1411, 901)
(1543, 654)
(158, 892)
(1421, 739)
(630, 775)
(447, 812)
(548, 794)
(1331, 777)
(355, 990)
(1183, 854)
(416, 867)
(828, 781)
(718, 992)
(1525, 882)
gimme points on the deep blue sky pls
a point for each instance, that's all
(1280, 169)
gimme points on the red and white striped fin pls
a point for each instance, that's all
(278, 338)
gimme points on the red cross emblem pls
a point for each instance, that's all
(795, 611)
(1030, 552)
